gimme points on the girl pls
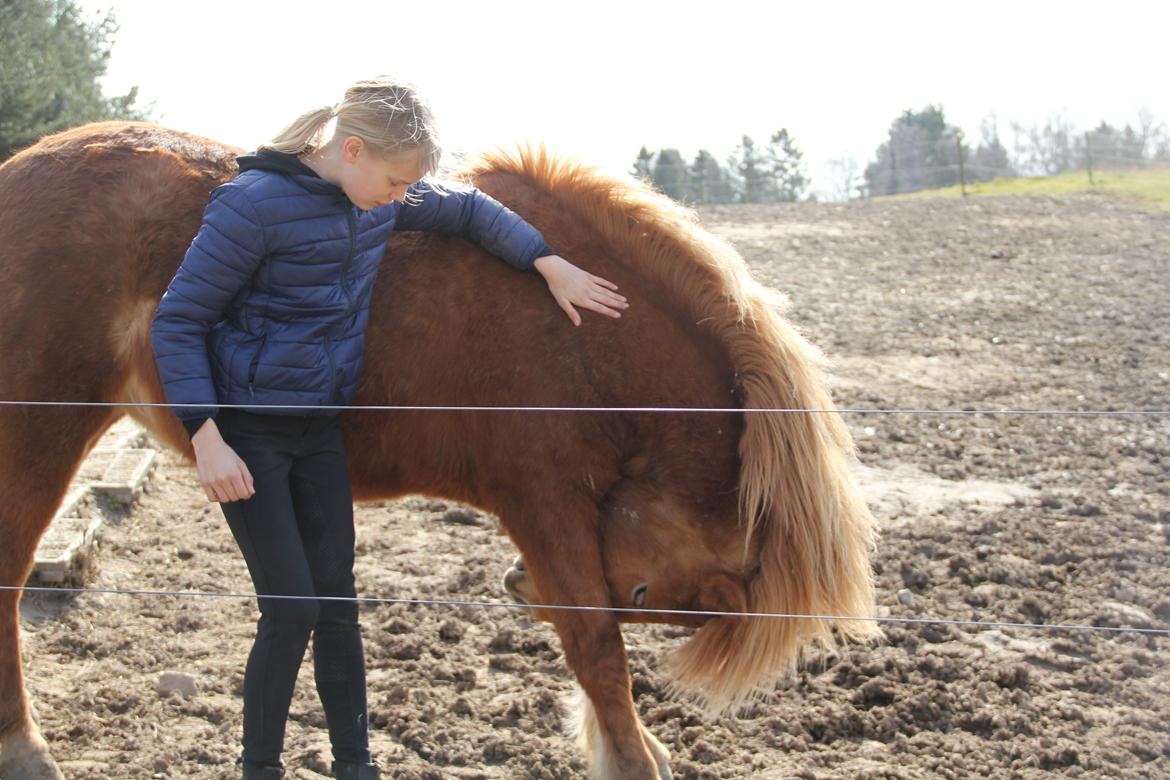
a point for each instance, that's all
(269, 309)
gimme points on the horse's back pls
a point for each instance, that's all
(93, 223)
(452, 326)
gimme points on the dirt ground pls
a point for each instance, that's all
(1011, 303)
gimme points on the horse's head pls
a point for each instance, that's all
(662, 554)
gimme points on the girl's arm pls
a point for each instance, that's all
(501, 231)
(221, 259)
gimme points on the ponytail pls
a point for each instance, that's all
(304, 134)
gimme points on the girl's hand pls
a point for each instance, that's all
(222, 473)
(571, 285)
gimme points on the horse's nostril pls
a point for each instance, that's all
(638, 597)
(518, 564)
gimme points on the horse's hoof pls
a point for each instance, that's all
(660, 755)
(29, 766)
(33, 715)
(519, 584)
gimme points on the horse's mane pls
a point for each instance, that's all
(794, 485)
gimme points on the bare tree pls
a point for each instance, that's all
(1046, 150)
(1154, 137)
(843, 179)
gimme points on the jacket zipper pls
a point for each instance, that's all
(349, 219)
(255, 365)
(344, 279)
(332, 369)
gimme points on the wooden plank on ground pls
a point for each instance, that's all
(119, 474)
(66, 548)
(122, 435)
(117, 467)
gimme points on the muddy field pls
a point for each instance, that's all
(1053, 303)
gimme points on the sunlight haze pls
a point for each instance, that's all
(599, 80)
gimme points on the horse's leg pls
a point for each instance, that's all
(520, 586)
(589, 737)
(40, 450)
(567, 569)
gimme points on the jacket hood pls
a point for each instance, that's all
(271, 160)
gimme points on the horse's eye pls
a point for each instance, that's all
(638, 597)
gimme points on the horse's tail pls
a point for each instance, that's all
(796, 490)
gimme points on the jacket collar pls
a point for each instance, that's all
(290, 165)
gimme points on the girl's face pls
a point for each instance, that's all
(371, 180)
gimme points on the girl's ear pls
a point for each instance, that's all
(352, 148)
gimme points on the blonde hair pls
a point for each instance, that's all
(386, 113)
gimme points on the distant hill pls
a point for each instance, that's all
(1150, 186)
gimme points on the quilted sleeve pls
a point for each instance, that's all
(219, 263)
(478, 217)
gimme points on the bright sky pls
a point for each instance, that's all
(599, 79)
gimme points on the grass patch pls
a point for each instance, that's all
(1147, 186)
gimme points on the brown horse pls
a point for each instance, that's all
(719, 511)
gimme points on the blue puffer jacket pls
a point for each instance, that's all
(270, 304)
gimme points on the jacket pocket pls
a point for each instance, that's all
(255, 365)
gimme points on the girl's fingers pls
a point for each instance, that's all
(611, 299)
(238, 491)
(249, 486)
(601, 308)
(608, 299)
(597, 296)
(602, 282)
(568, 309)
(225, 491)
(602, 293)
(607, 288)
(232, 488)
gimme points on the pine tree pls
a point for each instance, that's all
(642, 163)
(922, 152)
(50, 62)
(669, 174)
(709, 181)
(1107, 145)
(990, 159)
(786, 167)
(752, 180)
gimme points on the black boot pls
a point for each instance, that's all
(262, 772)
(344, 770)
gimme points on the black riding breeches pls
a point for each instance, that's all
(297, 537)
